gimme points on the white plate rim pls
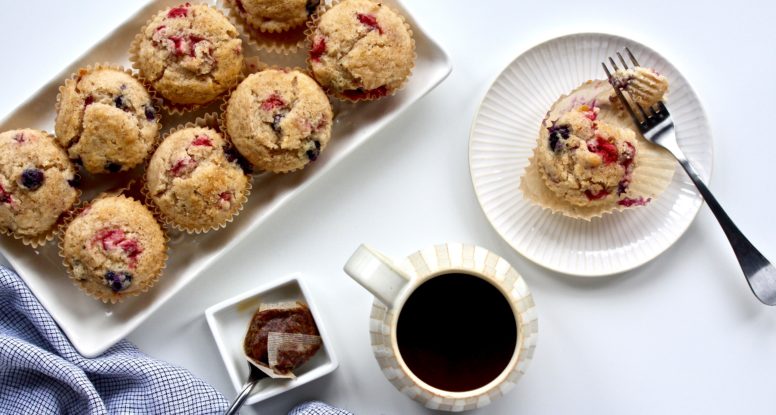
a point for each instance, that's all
(615, 271)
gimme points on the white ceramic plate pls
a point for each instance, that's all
(229, 320)
(503, 136)
(93, 326)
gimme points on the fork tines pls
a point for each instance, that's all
(644, 116)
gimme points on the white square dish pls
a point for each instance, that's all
(92, 326)
(229, 320)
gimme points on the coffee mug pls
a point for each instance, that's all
(453, 326)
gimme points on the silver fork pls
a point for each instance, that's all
(656, 125)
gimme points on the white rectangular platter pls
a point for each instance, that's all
(92, 326)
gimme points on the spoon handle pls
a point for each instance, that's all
(238, 402)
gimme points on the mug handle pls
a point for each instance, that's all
(377, 273)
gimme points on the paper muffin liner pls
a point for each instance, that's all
(652, 175)
(209, 120)
(312, 24)
(108, 297)
(286, 42)
(41, 239)
(225, 105)
(168, 106)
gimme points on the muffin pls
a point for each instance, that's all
(191, 54)
(36, 184)
(590, 158)
(106, 120)
(644, 86)
(586, 161)
(361, 50)
(192, 181)
(273, 15)
(279, 120)
(114, 248)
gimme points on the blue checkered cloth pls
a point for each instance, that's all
(41, 372)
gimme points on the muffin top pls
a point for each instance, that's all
(114, 248)
(193, 182)
(361, 50)
(191, 54)
(106, 120)
(279, 120)
(36, 182)
(275, 15)
(584, 160)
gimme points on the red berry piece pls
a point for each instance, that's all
(202, 140)
(182, 167)
(180, 11)
(32, 178)
(19, 138)
(5, 197)
(88, 101)
(226, 196)
(628, 156)
(595, 196)
(108, 238)
(605, 149)
(178, 45)
(274, 101)
(629, 202)
(370, 21)
(318, 49)
(132, 249)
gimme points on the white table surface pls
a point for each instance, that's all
(681, 334)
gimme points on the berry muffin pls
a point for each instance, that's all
(36, 185)
(106, 120)
(191, 54)
(279, 120)
(644, 85)
(361, 50)
(114, 248)
(590, 159)
(193, 182)
(586, 161)
(273, 15)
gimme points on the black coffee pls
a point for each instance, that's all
(456, 332)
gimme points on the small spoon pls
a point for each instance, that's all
(254, 378)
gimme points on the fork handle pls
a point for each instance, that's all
(759, 272)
